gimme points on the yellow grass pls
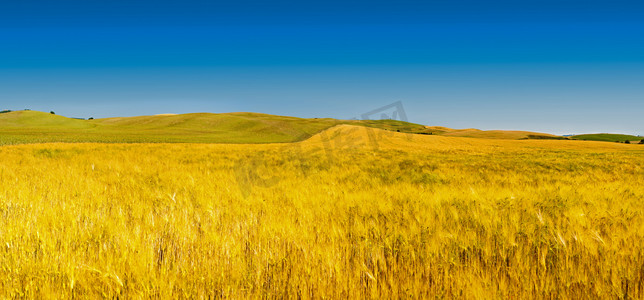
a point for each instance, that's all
(486, 134)
(495, 134)
(350, 213)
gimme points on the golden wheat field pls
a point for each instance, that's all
(350, 213)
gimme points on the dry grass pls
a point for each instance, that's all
(486, 134)
(337, 216)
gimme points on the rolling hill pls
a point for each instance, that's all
(406, 127)
(21, 127)
(607, 137)
(492, 134)
(35, 127)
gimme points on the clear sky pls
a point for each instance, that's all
(551, 66)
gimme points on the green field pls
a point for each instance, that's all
(608, 137)
(36, 127)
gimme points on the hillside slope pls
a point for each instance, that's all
(37, 127)
(27, 120)
(491, 134)
(607, 137)
(347, 136)
(406, 127)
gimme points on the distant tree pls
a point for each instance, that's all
(627, 142)
(52, 112)
(91, 118)
(5, 111)
(642, 142)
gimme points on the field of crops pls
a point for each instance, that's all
(350, 213)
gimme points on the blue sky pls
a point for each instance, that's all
(552, 66)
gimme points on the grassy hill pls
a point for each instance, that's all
(393, 125)
(27, 120)
(21, 127)
(406, 127)
(500, 134)
(222, 128)
(607, 137)
(36, 127)
(491, 134)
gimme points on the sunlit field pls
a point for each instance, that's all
(350, 213)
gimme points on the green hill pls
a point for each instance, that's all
(607, 137)
(393, 125)
(28, 120)
(38, 127)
